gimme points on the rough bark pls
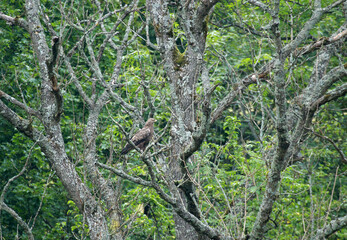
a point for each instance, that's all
(19, 220)
(184, 70)
(191, 112)
(288, 139)
(331, 228)
(51, 141)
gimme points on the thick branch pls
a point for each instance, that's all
(264, 72)
(331, 228)
(262, 6)
(330, 96)
(321, 42)
(51, 99)
(14, 21)
(229, 98)
(278, 161)
(198, 225)
(180, 209)
(64, 169)
(304, 33)
(204, 9)
(18, 122)
(20, 104)
(182, 212)
(313, 96)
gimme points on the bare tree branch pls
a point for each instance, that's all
(330, 95)
(342, 155)
(23, 106)
(264, 72)
(321, 42)
(126, 176)
(331, 228)
(14, 21)
(23, 224)
(317, 14)
(262, 6)
(98, 50)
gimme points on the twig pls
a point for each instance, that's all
(342, 156)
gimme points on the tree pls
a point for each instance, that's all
(242, 93)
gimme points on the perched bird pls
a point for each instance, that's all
(141, 138)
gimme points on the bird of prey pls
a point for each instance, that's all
(141, 138)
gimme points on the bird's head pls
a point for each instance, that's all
(150, 122)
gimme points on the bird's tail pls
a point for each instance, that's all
(125, 150)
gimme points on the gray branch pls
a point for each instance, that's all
(264, 72)
(317, 15)
(23, 224)
(330, 228)
(14, 21)
(126, 176)
(23, 106)
(331, 95)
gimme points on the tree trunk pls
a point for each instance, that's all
(183, 71)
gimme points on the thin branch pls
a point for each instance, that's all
(246, 29)
(126, 135)
(342, 155)
(148, 41)
(2, 197)
(157, 140)
(42, 197)
(4, 190)
(126, 176)
(76, 82)
(111, 33)
(19, 220)
(229, 98)
(94, 64)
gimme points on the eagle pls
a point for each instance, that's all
(141, 138)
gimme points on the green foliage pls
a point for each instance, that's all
(232, 166)
(38, 191)
(146, 214)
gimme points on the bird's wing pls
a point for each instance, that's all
(140, 139)
(142, 135)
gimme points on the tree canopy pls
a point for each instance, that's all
(249, 99)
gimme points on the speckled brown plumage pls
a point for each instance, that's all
(141, 138)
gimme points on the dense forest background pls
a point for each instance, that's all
(249, 98)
